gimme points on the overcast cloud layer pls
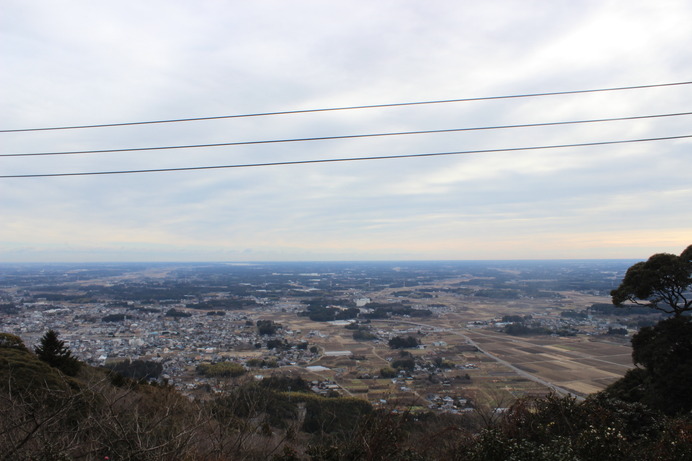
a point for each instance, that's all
(86, 62)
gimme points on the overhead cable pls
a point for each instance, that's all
(350, 159)
(332, 109)
(352, 136)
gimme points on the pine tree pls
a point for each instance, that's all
(54, 352)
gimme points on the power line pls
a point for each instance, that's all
(351, 159)
(353, 136)
(332, 109)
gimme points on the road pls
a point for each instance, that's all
(520, 372)
(582, 355)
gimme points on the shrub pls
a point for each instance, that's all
(9, 341)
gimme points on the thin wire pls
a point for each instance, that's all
(352, 159)
(331, 109)
(353, 136)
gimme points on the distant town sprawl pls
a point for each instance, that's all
(342, 326)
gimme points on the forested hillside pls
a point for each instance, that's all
(99, 414)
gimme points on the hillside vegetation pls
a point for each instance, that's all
(98, 414)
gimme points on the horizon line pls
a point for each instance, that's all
(322, 261)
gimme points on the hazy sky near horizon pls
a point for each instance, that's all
(83, 62)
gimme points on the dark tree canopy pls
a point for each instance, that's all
(663, 358)
(400, 342)
(54, 352)
(662, 282)
(267, 327)
(138, 369)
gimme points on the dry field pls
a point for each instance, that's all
(505, 368)
(502, 369)
(578, 364)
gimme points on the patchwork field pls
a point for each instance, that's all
(490, 368)
(581, 365)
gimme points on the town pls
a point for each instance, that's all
(448, 336)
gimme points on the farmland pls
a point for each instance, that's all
(483, 334)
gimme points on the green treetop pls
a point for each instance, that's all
(662, 282)
(54, 352)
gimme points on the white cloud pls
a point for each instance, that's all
(80, 62)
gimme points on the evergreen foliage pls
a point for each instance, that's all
(54, 352)
(388, 372)
(89, 418)
(363, 334)
(326, 415)
(404, 364)
(556, 428)
(267, 327)
(285, 383)
(261, 363)
(21, 371)
(662, 282)
(662, 379)
(399, 342)
(280, 344)
(138, 369)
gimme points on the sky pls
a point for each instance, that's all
(74, 63)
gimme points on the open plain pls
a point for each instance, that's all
(484, 334)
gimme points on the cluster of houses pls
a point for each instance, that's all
(449, 403)
(178, 343)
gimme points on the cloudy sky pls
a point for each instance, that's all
(83, 62)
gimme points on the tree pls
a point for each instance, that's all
(399, 342)
(388, 372)
(138, 369)
(267, 327)
(54, 352)
(663, 374)
(405, 364)
(662, 283)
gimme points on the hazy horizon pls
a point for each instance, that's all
(619, 191)
(393, 261)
